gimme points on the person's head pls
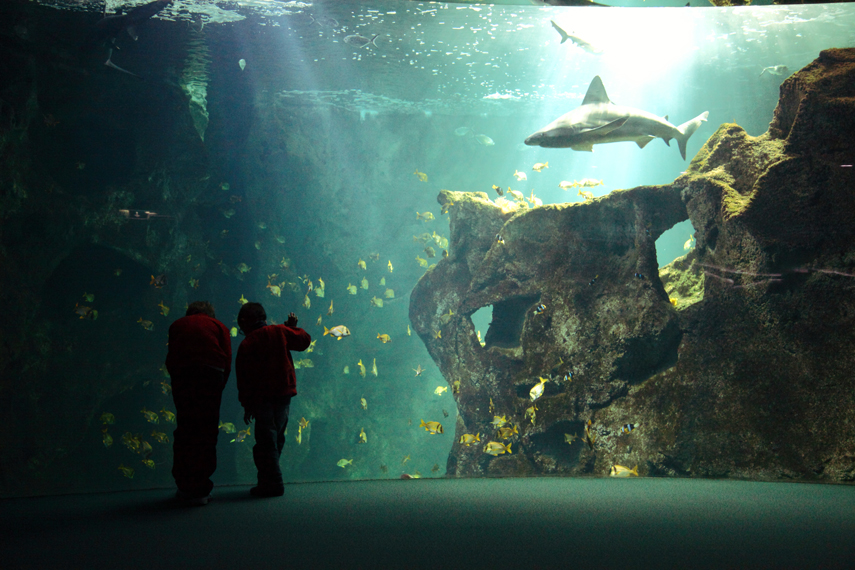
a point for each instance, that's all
(200, 308)
(251, 316)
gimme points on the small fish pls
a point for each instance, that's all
(241, 435)
(437, 334)
(374, 256)
(307, 302)
(344, 462)
(468, 439)
(362, 437)
(422, 262)
(590, 435)
(126, 471)
(588, 196)
(537, 390)
(361, 368)
(165, 387)
(497, 448)
(160, 437)
(478, 336)
(673, 301)
(498, 190)
(364, 403)
(351, 289)
(775, 70)
(570, 438)
(149, 463)
(167, 415)
(444, 253)
(484, 140)
(534, 200)
(499, 421)
(159, 282)
(589, 183)
(361, 264)
(446, 207)
(455, 387)
(426, 216)
(566, 185)
(299, 437)
(621, 471)
(440, 389)
(628, 428)
(303, 423)
(89, 297)
(539, 309)
(312, 344)
(499, 239)
(405, 459)
(374, 367)
(435, 468)
(364, 283)
(194, 283)
(107, 439)
(384, 338)
(520, 176)
(390, 266)
(227, 214)
(227, 427)
(432, 427)
(507, 432)
(531, 413)
(243, 268)
(430, 252)
(444, 413)
(384, 468)
(462, 131)
(346, 370)
(408, 330)
(320, 320)
(389, 293)
(421, 176)
(418, 370)
(445, 319)
(164, 310)
(690, 243)
(150, 416)
(242, 300)
(539, 166)
(233, 331)
(377, 302)
(330, 310)
(108, 418)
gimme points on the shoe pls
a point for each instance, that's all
(191, 500)
(266, 492)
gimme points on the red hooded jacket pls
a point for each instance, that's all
(264, 367)
(199, 340)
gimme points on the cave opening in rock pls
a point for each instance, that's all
(673, 243)
(507, 317)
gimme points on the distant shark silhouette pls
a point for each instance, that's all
(599, 121)
(109, 27)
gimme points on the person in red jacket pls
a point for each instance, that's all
(199, 362)
(266, 383)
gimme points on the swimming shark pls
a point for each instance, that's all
(588, 47)
(109, 27)
(599, 121)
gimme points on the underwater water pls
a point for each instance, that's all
(289, 153)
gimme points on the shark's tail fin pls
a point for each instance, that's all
(687, 129)
(564, 35)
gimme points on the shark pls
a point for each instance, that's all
(588, 47)
(108, 28)
(599, 121)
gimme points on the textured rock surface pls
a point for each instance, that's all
(754, 380)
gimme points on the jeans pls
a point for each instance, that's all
(271, 419)
(197, 393)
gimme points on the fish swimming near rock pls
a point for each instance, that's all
(588, 47)
(775, 70)
(599, 121)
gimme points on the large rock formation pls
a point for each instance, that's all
(751, 380)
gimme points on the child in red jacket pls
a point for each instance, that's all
(266, 383)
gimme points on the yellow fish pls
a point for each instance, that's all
(537, 390)
(377, 302)
(167, 415)
(499, 421)
(364, 403)
(243, 268)
(344, 462)
(421, 175)
(531, 413)
(690, 243)
(437, 334)
(431, 427)
(330, 310)
(390, 266)
(440, 389)
(361, 368)
(307, 302)
(339, 332)
(418, 370)
(364, 283)
(507, 432)
(320, 319)
(165, 388)
(304, 423)
(346, 370)
(384, 338)
(540, 166)
(621, 471)
(312, 345)
(164, 310)
(275, 290)
(299, 437)
(362, 437)
(150, 416)
(351, 289)
(455, 387)
(497, 448)
(520, 176)
(566, 185)
(589, 183)
(673, 301)
(422, 262)
(444, 319)
(227, 427)
(160, 437)
(233, 331)
(89, 297)
(321, 286)
(194, 283)
(588, 196)
(389, 294)
(361, 264)
(382, 281)
(374, 367)
(107, 438)
(108, 418)
(126, 471)
(241, 435)
(570, 438)
(468, 439)
(242, 300)
(147, 325)
(405, 459)
(408, 330)
(427, 216)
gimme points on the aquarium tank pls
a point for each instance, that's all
(534, 285)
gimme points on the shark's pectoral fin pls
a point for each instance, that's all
(642, 141)
(607, 128)
(667, 141)
(587, 147)
(109, 63)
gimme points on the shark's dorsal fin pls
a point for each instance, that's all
(596, 92)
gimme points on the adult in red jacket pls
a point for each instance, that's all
(266, 383)
(199, 362)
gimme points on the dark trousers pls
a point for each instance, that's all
(271, 419)
(197, 393)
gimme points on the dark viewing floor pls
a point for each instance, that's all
(499, 524)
